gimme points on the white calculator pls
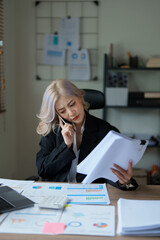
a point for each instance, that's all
(53, 202)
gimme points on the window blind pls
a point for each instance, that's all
(2, 74)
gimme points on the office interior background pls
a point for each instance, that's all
(130, 25)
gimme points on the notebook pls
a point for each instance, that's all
(11, 200)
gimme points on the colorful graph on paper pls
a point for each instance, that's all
(76, 193)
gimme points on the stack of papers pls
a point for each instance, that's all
(138, 217)
(114, 148)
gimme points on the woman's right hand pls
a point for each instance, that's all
(67, 133)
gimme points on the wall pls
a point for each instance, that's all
(8, 163)
(133, 26)
(129, 25)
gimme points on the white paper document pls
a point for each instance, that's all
(53, 54)
(114, 148)
(88, 194)
(69, 33)
(86, 213)
(76, 193)
(29, 220)
(89, 220)
(78, 219)
(17, 185)
(78, 65)
(138, 217)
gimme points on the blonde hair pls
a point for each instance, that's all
(47, 116)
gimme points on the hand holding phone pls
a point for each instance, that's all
(63, 120)
(67, 131)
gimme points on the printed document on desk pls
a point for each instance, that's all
(78, 219)
(17, 185)
(29, 220)
(89, 220)
(76, 193)
(114, 148)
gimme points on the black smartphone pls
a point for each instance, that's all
(63, 120)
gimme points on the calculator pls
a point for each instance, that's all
(53, 202)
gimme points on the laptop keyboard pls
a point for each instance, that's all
(4, 205)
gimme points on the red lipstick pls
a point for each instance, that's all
(74, 119)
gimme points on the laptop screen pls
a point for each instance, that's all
(12, 196)
(11, 200)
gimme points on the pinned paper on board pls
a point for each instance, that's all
(53, 54)
(69, 33)
(78, 65)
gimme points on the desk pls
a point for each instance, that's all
(144, 192)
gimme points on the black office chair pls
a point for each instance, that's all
(96, 100)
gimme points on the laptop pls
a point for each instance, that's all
(12, 200)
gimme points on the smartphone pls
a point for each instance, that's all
(64, 120)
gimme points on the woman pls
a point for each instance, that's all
(69, 133)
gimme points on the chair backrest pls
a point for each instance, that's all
(95, 98)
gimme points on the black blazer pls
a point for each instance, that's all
(54, 158)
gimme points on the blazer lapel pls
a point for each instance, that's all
(89, 140)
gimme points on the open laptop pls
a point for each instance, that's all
(11, 200)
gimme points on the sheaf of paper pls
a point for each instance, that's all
(78, 65)
(53, 54)
(17, 185)
(76, 193)
(114, 148)
(29, 220)
(138, 217)
(89, 220)
(69, 33)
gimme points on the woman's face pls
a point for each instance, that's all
(71, 109)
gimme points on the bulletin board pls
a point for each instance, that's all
(47, 18)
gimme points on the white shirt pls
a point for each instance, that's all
(73, 170)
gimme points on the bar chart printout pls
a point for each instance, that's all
(76, 193)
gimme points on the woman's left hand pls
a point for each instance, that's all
(124, 176)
